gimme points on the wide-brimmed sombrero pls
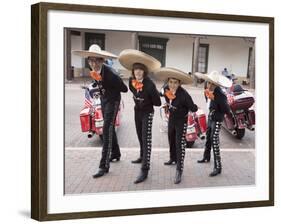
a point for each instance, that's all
(165, 73)
(94, 51)
(199, 75)
(216, 78)
(129, 57)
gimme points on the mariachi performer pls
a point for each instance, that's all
(145, 96)
(178, 104)
(110, 86)
(217, 109)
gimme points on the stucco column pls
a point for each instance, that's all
(196, 44)
(252, 70)
(251, 65)
(135, 40)
(83, 47)
(67, 53)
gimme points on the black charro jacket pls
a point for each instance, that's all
(219, 106)
(181, 105)
(147, 98)
(111, 85)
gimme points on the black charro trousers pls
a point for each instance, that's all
(213, 141)
(177, 142)
(110, 142)
(143, 123)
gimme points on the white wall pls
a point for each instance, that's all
(228, 52)
(76, 44)
(179, 53)
(231, 53)
(115, 42)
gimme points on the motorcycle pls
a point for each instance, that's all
(91, 118)
(242, 115)
(196, 124)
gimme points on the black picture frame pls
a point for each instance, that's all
(39, 108)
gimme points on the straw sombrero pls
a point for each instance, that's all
(129, 57)
(165, 73)
(94, 51)
(218, 79)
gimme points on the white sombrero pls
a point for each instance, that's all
(129, 57)
(199, 75)
(164, 74)
(94, 51)
(216, 78)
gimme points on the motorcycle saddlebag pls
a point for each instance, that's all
(85, 119)
(201, 120)
(242, 102)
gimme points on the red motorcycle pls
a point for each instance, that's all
(242, 113)
(196, 124)
(91, 118)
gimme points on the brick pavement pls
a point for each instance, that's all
(82, 163)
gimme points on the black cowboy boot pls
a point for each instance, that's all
(215, 172)
(142, 176)
(170, 162)
(178, 177)
(217, 163)
(139, 160)
(100, 173)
